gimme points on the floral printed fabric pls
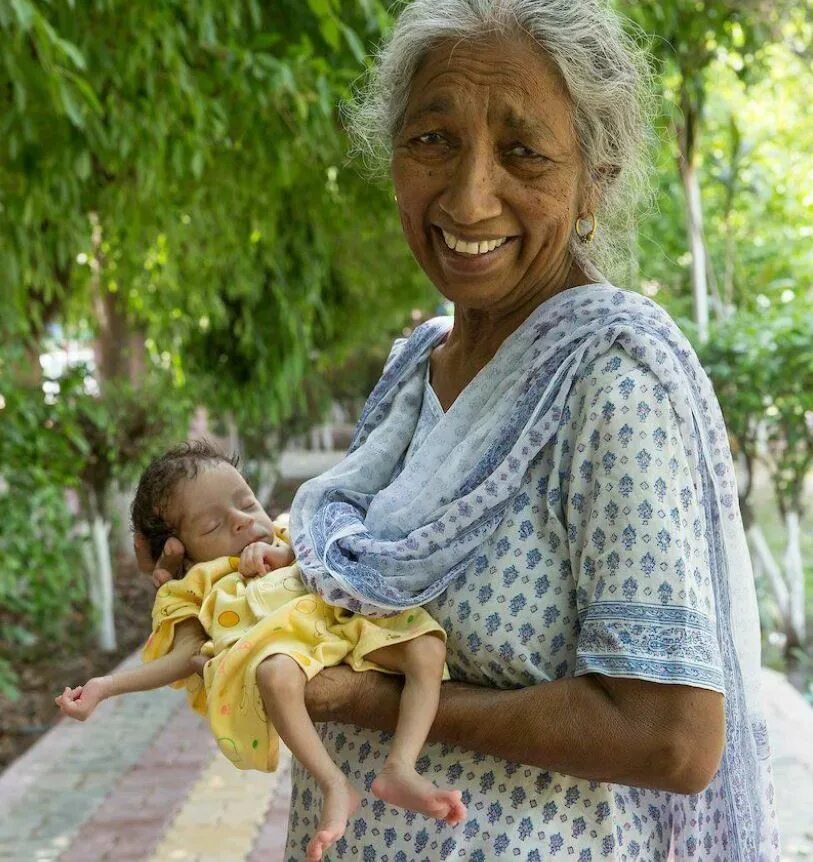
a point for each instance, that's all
(601, 564)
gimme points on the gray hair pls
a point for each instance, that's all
(604, 69)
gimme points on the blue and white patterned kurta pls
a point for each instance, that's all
(598, 567)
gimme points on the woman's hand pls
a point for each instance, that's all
(169, 564)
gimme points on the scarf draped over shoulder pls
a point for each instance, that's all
(376, 535)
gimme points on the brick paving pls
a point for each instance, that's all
(142, 781)
(790, 726)
(132, 819)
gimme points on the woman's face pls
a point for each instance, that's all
(487, 153)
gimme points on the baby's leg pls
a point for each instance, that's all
(282, 685)
(421, 662)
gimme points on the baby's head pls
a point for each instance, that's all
(194, 492)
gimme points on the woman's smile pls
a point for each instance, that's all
(464, 259)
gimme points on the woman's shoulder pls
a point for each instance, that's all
(615, 374)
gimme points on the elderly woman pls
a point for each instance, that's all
(547, 472)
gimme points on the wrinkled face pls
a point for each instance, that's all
(217, 514)
(487, 161)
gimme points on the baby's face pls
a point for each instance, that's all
(217, 514)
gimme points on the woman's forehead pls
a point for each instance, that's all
(514, 81)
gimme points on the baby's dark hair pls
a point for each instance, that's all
(157, 483)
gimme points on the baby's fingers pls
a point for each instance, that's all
(251, 561)
(245, 567)
(73, 710)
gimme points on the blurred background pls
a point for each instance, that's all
(187, 249)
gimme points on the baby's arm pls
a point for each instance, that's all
(177, 664)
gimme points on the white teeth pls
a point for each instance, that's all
(463, 247)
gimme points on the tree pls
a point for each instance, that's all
(762, 371)
(194, 154)
(174, 179)
(689, 36)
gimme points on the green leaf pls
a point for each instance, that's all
(70, 104)
(71, 51)
(197, 164)
(354, 43)
(24, 12)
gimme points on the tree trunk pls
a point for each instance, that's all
(765, 563)
(102, 579)
(694, 225)
(795, 579)
(96, 554)
(118, 348)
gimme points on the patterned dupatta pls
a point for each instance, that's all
(377, 536)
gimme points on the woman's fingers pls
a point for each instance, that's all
(169, 563)
(141, 548)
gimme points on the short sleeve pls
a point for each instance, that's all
(636, 532)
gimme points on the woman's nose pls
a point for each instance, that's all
(471, 196)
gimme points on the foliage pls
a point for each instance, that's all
(748, 64)
(79, 443)
(762, 370)
(39, 581)
(182, 164)
(203, 137)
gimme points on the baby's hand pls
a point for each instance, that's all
(80, 702)
(260, 557)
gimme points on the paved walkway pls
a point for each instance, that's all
(141, 781)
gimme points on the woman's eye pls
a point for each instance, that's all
(524, 152)
(430, 138)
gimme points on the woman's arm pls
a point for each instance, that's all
(176, 665)
(626, 731)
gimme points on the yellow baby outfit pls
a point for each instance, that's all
(249, 620)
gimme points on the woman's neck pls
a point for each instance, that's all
(477, 333)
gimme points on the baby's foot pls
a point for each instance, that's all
(339, 801)
(402, 786)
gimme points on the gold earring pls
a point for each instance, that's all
(583, 232)
(395, 198)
